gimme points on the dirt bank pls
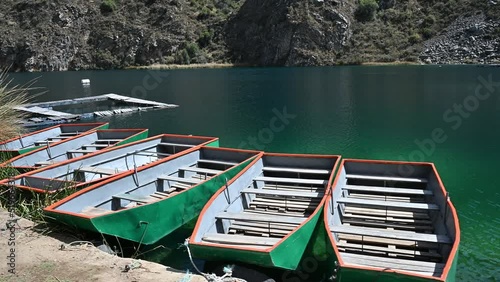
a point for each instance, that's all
(40, 257)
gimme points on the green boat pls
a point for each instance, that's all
(391, 221)
(89, 169)
(38, 139)
(267, 214)
(147, 204)
(74, 147)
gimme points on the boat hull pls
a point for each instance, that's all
(342, 271)
(288, 251)
(27, 162)
(9, 151)
(115, 157)
(348, 274)
(149, 223)
(287, 255)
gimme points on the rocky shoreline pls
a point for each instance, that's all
(466, 41)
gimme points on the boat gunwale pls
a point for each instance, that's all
(97, 124)
(110, 149)
(51, 208)
(270, 248)
(137, 130)
(453, 252)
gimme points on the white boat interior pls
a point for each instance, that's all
(48, 136)
(267, 202)
(155, 182)
(391, 216)
(95, 167)
(75, 147)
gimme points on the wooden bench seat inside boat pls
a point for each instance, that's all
(240, 239)
(384, 212)
(260, 229)
(133, 198)
(297, 170)
(390, 234)
(261, 218)
(98, 170)
(44, 142)
(395, 225)
(108, 140)
(388, 204)
(386, 250)
(281, 205)
(273, 192)
(200, 170)
(378, 241)
(422, 267)
(387, 178)
(388, 198)
(80, 151)
(69, 133)
(291, 180)
(388, 190)
(179, 179)
(44, 163)
(60, 137)
(151, 153)
(95, 146)
(176, 145)
(217, 162)
(283, 187)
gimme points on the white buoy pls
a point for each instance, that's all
(86, 81)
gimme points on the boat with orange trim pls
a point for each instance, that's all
(37, 139)
(266, 215)
(148, 203)
(83, 171)
(391, 221)
(83, 144)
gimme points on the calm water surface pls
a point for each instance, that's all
(359, 112)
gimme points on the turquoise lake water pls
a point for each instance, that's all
(446, 115)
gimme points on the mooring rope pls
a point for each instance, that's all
(228, 270)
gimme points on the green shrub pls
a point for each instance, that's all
(414, 38)
(205, 13)
(366, 10)
(192, 49)
(205, 38)
(427, 33)
(108, 6)
(429, 20)
(11, 96)
(182, 57)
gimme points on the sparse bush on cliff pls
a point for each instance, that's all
(190, 54)
(182, 57)
(366, 10)
(205, 38)
(414, 38)
(108, 6)
(192, 49)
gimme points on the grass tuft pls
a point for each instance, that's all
(12, 96)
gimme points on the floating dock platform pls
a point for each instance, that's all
(71, 110)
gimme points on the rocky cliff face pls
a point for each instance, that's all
(289, 32)
(56, 35)
(467, 40)
(67, 35)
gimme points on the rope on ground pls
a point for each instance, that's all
(228, 270)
